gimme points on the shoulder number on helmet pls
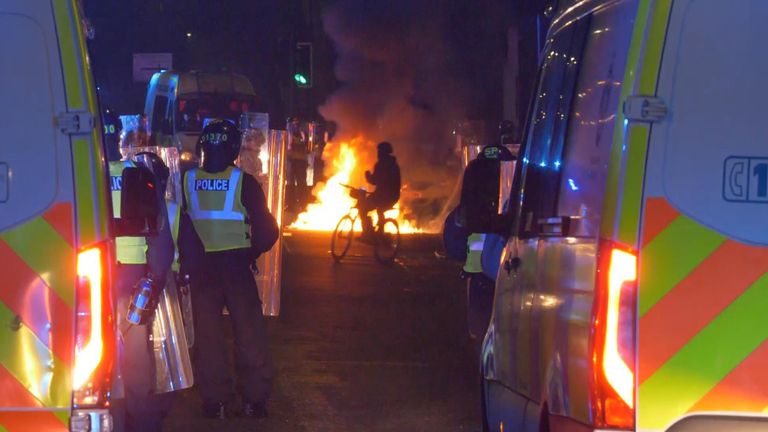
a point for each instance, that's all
(215, 137)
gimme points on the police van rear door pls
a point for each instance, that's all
(703, 271)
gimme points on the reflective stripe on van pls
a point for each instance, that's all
(712, 357)
(703, 281)
(36, 301)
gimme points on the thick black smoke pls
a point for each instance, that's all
(409, 71)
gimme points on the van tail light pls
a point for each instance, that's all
(613, 338)
(94, 337)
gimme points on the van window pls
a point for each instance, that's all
(593, 116)
(159, 112)
(29, 90)
(550, 115)
(193, 110)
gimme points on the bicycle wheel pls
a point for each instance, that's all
(342, 237)
(387, 241)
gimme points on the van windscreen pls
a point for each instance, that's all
(193, 110)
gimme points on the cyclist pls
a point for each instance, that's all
(386, 178)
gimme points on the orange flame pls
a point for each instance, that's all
(333, 200)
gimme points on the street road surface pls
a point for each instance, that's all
(363, 347)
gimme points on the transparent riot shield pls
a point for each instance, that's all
(469, 139)
(506, 177)
(254, 150)
(270, 172)
(314, 151)
(173, 367)
(172, 328)
(507, 174)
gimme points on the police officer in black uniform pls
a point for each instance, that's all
(225, 225)
(141, 410)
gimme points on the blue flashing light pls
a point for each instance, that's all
(572, 184)
(543, 164)
(557, 164)
(525, 160)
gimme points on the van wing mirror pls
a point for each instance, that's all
(139, 205)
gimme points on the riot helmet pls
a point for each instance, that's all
(113, 127)
(496, 151)
(218, 146)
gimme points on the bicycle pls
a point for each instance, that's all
(386, 235)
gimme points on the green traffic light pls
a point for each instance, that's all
(301, 79)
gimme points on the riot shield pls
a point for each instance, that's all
(270, 172)
(172, 328)
(469, 140)
(254, 150)
(506, 177)
(173, 367)
(315, 146)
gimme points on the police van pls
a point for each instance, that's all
(56, 246)
(178, 104)
(633, 292)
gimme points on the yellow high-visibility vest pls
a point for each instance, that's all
(474, 264)
(216, 210)
(130, 250)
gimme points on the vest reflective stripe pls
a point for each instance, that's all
(473, 264)
(215, 207)
(130, 250)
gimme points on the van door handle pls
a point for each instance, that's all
(512, 264)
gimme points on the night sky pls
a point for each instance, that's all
(254, 37)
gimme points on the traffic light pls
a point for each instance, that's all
(302, 64)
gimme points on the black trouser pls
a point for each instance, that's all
(480, 291)
(369, 204)
(143, 410)
(226, 279)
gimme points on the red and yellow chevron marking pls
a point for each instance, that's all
(36, 313)
(703, 339)
(31, 421)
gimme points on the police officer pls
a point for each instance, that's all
(297, 157)
(479, 212)
(141, 409)
(225, 225)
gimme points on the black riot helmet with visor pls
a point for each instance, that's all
(218, 146)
